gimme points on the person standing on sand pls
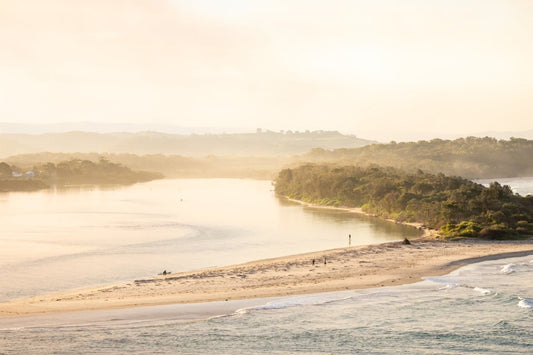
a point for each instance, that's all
(349, 240)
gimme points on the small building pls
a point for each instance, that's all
(30, 174)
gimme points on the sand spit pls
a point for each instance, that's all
(330, 270)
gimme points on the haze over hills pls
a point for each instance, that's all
(260, 143)
(112, 127)
(468, 157)
(263, 153)
(363, 132)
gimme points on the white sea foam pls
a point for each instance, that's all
(267, 306)
(311, 300)
(273, 305)
(483, 291)
(442, 280)
(507, 269)
(317, 299)
(525, 302)
(448, 284)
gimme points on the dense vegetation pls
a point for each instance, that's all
(74, 171)
(172, 166)
(459, 207)
(468, 157)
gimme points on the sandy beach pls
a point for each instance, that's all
(331, 270)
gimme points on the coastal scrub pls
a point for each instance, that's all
(456, 206)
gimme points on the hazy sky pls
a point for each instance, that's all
(372, 68)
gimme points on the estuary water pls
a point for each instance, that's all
(520, 185)
(84, 236)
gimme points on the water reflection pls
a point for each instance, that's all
(343, 217)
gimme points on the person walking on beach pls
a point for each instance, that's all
(349, 240)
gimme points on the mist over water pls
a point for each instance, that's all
(519, 185)
(84, 236)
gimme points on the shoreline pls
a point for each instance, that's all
(351, 268)
(428, 232)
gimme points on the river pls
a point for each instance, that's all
(85, 236)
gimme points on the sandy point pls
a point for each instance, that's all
(355, 267)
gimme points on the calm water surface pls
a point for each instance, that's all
(520, 185)
(56, 240)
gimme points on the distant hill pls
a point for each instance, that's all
(171, 166)
(528, 134)
(469, 157)
(110, 127)
(261, 143)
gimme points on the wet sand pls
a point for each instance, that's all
(355, 267)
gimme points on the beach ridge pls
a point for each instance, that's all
(357, 267)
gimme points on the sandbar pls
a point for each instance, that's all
(349, 268)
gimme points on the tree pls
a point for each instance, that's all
(456, 205)
(5, 170)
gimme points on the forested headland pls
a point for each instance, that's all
(470, 157)
(456, 206)
(70, 172)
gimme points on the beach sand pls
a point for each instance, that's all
(333, 270)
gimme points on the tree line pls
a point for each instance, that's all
(455, 205)
(470, 157)
(73, 171)
(172, 166)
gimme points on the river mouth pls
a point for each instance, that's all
(81, 237)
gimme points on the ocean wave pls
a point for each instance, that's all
(525, 302)
(443, 281)
(483, 291)
(448, 284)
(507, 269)
(294, 302)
